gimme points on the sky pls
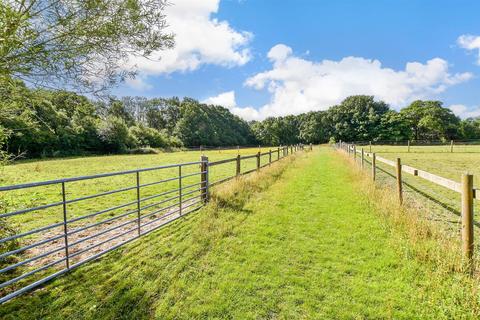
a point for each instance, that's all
(263, 58)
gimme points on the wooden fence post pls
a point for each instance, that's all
(354, 153)
(204, 178)
(408, 145)
(370, 146)
(467, 216)
(278, 153)
(258, 161)
(374, 157)
(238, 165)
(270, 157)
(363, 158)
(399, 180)
(451, 145)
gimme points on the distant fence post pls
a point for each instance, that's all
(374, 157)
(467, 216)
(370, 143)
(204, 178)
(408, 146)
(278, 153)
(238, 165)
(270, 157)
(354, 153)
(258, 161)
(451, 145)
(363, 158)
(399, 180)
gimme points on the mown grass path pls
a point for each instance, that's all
(308, 247)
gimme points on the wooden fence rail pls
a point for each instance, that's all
(465, 188)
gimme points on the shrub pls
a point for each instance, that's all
(114, 135)
(148, 137)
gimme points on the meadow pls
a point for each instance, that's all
(442, 205)
(38, 243)
(51, 169)
(285, 243)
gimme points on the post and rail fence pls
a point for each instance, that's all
(47, 251)
(465, 188)
(471, 146)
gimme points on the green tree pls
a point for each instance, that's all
(356, 118)
(430, 120)
(77, 43)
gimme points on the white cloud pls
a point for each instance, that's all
(470, 42)
(199, 39)
(227, 100)
(139, 83)
(464, 112)
(298, 85)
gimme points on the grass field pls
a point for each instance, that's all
(296, 241)
(32, 171)
(442, 204)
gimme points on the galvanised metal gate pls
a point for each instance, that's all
(55, 237)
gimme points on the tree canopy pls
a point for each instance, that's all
(78, 44)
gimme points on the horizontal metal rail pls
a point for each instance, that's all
(95, 176)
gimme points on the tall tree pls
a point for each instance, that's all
(78, 43)
(430, 120)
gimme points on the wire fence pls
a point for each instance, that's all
(56, 237)
(465, 189)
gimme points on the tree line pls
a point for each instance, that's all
(48, 123)
(40, 122)
(361, 118)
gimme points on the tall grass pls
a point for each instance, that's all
(417, 236)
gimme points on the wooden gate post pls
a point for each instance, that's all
(204, 178)
(399, 180)
(467, 216)
(374, 157)
(238, 165)
(258, 161)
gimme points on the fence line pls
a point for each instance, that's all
(465, 188)
(449, 144)
(71, 245)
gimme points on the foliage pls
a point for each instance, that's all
(81, 44)
(114, 135)
(428, 120)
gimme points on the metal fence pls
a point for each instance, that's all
(89, 226)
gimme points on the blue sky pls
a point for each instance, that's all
(267, 58)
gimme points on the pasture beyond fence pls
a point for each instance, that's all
(42, 252)
(465, 187)
(409, 145)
